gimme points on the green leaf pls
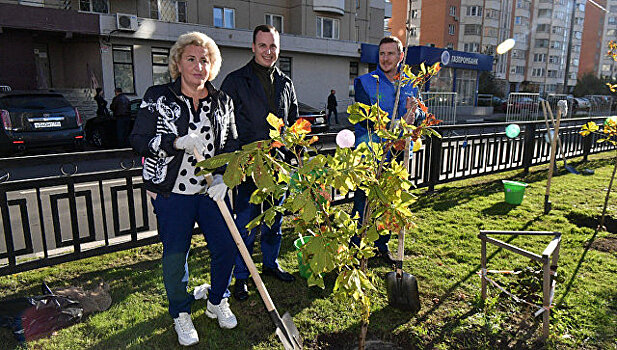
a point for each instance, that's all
(300, 201)
(233, 174)
(309, 211)
(262, 177)
(216, 161)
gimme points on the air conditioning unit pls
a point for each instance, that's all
(455, 18)
(126, 22)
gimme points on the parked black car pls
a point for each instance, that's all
(38, 119)
(318, 118)
(101, 130)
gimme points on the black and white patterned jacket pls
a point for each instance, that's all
(162, 117)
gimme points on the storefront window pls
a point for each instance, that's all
(466, 86)
(442, 82)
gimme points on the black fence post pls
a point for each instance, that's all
(587, 143)
(529, 146)
(8, 232)
(434, 163)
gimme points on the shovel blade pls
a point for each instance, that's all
(292, 331)
(403, 291)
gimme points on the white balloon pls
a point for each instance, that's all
(345, 138)
(505, 46)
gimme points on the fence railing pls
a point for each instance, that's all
(523, 106)
(61, 218)
(442, 105)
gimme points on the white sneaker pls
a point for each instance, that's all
(187, 335)
(201, 292)
(223, 313)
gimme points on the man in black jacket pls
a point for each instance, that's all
(332, 104)
(121, 108)
(257, 89)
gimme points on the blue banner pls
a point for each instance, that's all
(429, 55)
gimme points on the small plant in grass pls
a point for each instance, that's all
(606, 133)
(307, 181)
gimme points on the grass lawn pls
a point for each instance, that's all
(443, 252)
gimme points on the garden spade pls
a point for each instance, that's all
(402, 287)
(286, 329)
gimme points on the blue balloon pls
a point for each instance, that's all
(513, 130)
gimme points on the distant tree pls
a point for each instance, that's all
(589, 84)
(488, 85)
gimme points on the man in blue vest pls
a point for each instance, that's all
(366, 91)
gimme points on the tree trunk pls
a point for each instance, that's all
(608, 194)
(362, 336)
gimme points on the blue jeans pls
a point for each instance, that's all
(330, 111)
(176, 215)
(270, 236)
(359, 202)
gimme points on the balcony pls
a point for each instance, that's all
(331, 6)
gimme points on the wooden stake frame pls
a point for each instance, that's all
(548, 259)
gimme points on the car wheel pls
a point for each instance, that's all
(96, 137)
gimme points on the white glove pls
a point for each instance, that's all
(189, 142)
(217, 189)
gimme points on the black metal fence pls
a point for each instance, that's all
(50, 220)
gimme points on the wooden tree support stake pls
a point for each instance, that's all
(549, 259)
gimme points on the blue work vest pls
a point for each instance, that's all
(387, 94)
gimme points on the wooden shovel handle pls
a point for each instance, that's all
(401, 235)
(246, 256)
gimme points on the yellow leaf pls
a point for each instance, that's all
(275, 122)
(417, 145)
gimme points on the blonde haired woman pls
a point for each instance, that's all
(174, 120)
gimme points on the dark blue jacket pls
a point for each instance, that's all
(162, 117)
(251, 105)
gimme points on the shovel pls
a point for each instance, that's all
(286, 329)
(401, 286)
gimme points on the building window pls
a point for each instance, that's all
(520, 54)
(611, 33)
(557, 30)
(473, 29)
(545, 13)
(541, 42)
(181, 5)
(555, 44)
(450, 46)
(471, 47)
(327, 28)
(353, 74)
(98, 6)
(275, 20)
(543, 28)
(539, 57)
(224, 17)
(413, 32)
(451, 29)
(537, 72)
(474, 10)
(168, 10)
(285, 65)
(414, 13)
(452, 10)
(160, 70)
(578, 35)
(554, 59)
(124, 77)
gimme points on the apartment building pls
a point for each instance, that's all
(548, 33)
(125, 43)
(601, 64)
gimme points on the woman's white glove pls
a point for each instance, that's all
(217, 190)
(190, 142)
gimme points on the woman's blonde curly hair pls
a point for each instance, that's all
(197, 39)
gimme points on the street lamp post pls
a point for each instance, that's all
(569, 52)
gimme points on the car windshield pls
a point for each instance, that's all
(35, 101)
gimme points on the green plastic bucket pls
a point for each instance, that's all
(305, 270)
(514, 191)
